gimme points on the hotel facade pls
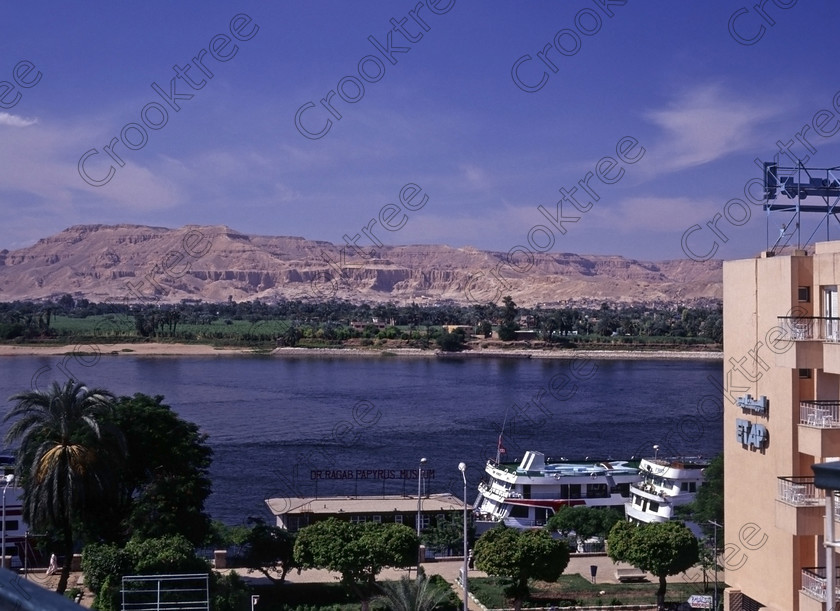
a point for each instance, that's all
(781, 414)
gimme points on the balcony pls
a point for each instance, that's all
(800, 506)
(814, 582)
(807, 339)
(810, 328)
(819, 428)
(799, 491)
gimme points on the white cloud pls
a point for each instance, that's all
(704, 124)
(15, 120)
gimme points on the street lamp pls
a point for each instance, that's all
(9, 479)
(716, 525)
(462, 467)
(655, 452)
(419, 498)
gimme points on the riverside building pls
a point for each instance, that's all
(781, 410)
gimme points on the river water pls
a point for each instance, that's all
(282, 427)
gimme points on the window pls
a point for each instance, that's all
(596, 491)
(518, 511)
(804, 294)
(358, 519)
(377, 519)
(398, 518)
(11, 525)
(654, 506)
(804, 374)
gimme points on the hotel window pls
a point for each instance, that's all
(831, 313)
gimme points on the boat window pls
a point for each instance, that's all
(597, 491)
(622, 489)
(654, 506)
(518, 511)
(684, 486)
(526, 491)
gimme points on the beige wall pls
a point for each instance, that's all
(769, 542)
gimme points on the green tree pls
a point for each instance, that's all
(417, 594)
(358, 551)
(452, 342)
(520, 556)
(507, 330)
(585, 521)
(104, 565)
(166, 478)
(66, 459)
(664, 548)
(708, 504)
(269, 548)
(448, 534)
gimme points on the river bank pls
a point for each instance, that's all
(172, 349)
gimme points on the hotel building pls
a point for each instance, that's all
(781, 414)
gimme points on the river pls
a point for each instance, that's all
(338, 425)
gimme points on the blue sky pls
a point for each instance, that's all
(447, 116)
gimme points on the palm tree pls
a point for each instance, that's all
(66, 457)
(412, 595)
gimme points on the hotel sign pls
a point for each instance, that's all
(751, 434)
(750, 403)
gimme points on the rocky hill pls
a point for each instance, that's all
(136, 263)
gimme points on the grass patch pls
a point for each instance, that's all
(572, 590)
(334, 597)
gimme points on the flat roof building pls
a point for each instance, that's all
(296, 513)
(781, 414)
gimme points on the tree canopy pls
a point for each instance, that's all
(664, 548)
(584, 521)
(67, 460)
(269, 548)
(166, 480)
(358, 551)
(520, 556)
(708, 504)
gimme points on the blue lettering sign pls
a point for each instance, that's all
(751, 434)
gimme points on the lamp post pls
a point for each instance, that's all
(9, 479)
(419, 498)
(462, 467)
(716, 525)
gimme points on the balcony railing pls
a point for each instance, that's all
(799, 491)
(814, 582)
(811, 328)
(820, 414)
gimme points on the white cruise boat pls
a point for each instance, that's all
(526, 494)
(665, 484)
